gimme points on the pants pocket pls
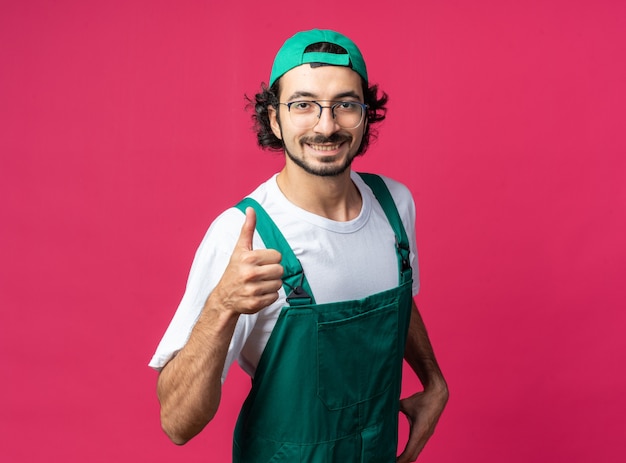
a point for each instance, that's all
(375, 446)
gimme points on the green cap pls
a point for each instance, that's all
(292, 54)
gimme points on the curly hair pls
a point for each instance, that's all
(268, 97)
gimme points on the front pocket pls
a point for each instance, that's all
(356, 356)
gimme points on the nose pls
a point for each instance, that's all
(326, 123)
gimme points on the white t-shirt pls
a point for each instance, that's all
(341, 261)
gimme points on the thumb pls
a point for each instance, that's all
(247, 230)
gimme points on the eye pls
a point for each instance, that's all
(347, 106)
(301, 106)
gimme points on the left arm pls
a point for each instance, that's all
(424, 408)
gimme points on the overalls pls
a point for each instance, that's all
(327, 386)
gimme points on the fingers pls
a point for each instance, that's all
(412, 447)
(245, 243)
(247, 230)
(253, 277)
(422, 411)
(411, 452)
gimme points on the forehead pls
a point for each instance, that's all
(322, 82)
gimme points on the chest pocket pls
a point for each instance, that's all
(354, 355)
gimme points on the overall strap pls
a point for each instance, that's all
(380, 190)
(294, 282)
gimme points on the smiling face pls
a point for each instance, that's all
(326, 149)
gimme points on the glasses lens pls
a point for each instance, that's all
(306, 114)
(348, 114)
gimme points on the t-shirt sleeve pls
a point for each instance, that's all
(406, 208)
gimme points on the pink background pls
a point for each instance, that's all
(123, 133)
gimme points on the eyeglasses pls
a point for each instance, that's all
(305, 114)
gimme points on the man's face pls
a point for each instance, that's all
(326, 149)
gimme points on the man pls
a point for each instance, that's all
(308, 283)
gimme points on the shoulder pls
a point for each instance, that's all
(400, 192)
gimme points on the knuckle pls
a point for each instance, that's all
(248, 258)
(248, 274)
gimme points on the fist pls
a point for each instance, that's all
(253, 277)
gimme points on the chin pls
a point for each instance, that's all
(328, 170)
(323, 166)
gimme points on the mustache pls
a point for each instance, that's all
(322, 139)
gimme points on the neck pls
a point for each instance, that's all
(334, 197)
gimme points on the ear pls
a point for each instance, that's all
(274, 123)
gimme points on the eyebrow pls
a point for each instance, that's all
(305, 94)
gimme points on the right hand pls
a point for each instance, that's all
(253, 277)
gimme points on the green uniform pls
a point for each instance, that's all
(327, 386)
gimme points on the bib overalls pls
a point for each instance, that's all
(327, 386)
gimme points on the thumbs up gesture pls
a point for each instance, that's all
(253, 277)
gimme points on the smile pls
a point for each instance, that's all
(325, 147)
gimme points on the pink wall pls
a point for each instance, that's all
(122, 134)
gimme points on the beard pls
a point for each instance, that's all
(328, 168)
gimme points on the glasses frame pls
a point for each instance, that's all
(332, 110)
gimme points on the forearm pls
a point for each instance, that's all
(189, 386)
(420, 356)
(423, 408)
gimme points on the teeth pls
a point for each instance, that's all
(325, 147)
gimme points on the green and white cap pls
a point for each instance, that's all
(292, 53)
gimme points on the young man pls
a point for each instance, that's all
(308, 284)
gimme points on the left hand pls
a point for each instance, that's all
(423, 410)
